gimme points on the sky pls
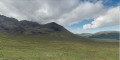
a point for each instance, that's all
(78, 16)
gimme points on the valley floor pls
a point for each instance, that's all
(37, 48)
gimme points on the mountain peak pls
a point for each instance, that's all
(55, 27)
(52, 23)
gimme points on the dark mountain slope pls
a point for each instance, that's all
(55, 27)
(11, 25)
(26, 23)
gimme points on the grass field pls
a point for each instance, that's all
(49, 48)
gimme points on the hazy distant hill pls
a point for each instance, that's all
(102, 35)
(86, 35)
(106, 35)
(12, 25)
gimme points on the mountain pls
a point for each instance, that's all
(86, 35)
(102, 35)
(12, 25)
(106, 35)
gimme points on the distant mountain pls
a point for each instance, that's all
(102, 35)
(86, 35)
(106, 35)
(12, 25)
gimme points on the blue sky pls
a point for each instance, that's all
(110, 3)
(80, 24)
(108, 28)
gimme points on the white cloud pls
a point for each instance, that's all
(64, 12)
(10, 11)
(52, 10)
(80, 30)
(111, 17)
(42, 11)
(85, 10)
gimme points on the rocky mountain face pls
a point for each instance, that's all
(12, 25)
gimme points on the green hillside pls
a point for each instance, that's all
(50, 47)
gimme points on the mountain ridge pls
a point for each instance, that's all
(12, 25)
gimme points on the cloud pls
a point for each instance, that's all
(111, 17)
(80, 30)
(85, 10)
(10, 11)
(42, 11)
(64, 12)
(52, 10)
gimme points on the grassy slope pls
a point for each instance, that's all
(42, 48)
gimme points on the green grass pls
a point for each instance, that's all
(18, 47)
